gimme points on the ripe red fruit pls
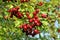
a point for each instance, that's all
(21, 1)
(34, 13)
(37, 24)
(36, 17)
(37, 10)
(40, 3)
(19, 14)
(58, 30)
(29, 17)
(14, 9)
(25, 27)
(24, 1)
(35, 21)
(30, 27)
(10, 10)
(36, 31)
(30, 20)
(44, 15)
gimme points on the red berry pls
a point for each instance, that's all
(31, 20)
(34, 13)
(25, 27)
(21, 1)
(44, 15)
(14, 9)
(36, 31)
(37, 24)
(58, 30)
(37, 10)
(30, 27)
(29, 17)
(19, 14)
(10, 10)
(36, 17)
(40, 3)
(35, 21)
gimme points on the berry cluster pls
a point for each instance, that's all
(30, 29)
(15, 12)
(24, 1)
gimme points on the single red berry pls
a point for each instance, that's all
(35, 21)
(44, 15)
(25, 27)
(30, 20)
(37, 24)
(34, 13)
(21, 1)
(14, 9)
(37, 10)
(19, 14)
(30, 27)
(29, 17)
(40, 3)
(58, 30)
(36, 31)
(36, 17)
(10, 10)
